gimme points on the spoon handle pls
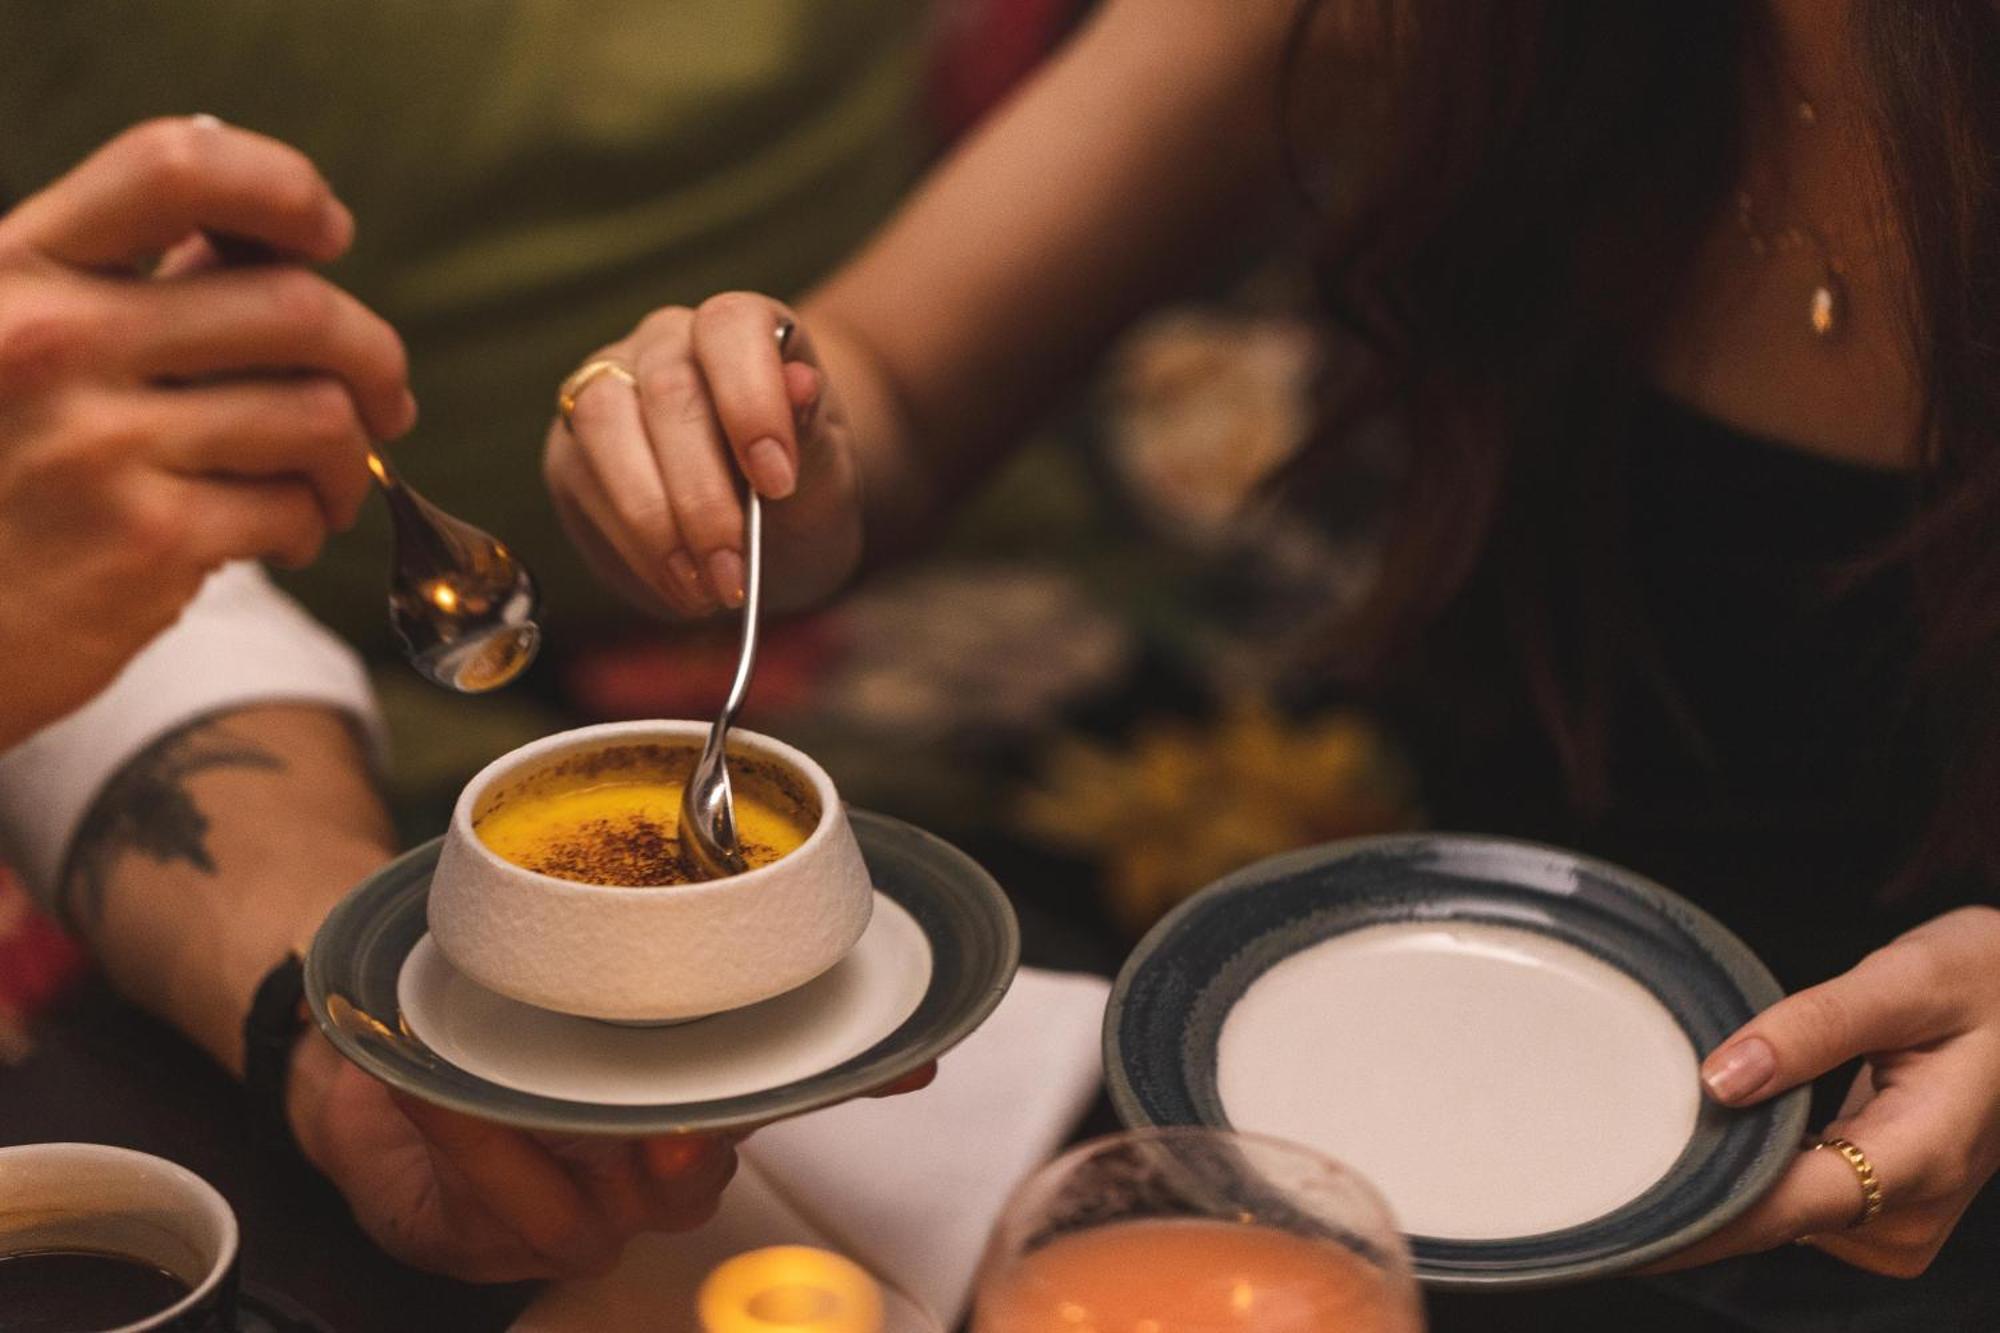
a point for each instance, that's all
(753, 543)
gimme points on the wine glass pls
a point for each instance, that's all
(1194, 1230)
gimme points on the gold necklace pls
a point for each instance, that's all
(1826, 308)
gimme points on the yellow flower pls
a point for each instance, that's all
(1185, 803)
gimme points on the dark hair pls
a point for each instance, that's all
(1538, 176)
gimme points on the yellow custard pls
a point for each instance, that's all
(613, 816)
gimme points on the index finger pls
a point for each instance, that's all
(737, 344)
(147, 189)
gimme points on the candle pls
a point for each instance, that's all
(789, 1289)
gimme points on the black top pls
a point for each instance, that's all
(1765, 756)
(1765, 760)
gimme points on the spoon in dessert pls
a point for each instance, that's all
(462, 604)
(708, 808)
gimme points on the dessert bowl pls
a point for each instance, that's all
(651, 952)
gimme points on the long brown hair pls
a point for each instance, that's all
(1539, 177)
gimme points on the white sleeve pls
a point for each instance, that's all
(239, 642)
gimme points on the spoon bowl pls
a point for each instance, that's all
(460, 601)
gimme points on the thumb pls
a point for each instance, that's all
(1885, 1003)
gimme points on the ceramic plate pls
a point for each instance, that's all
(939, 952)
(1550, 1126)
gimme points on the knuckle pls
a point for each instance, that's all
(324, 414)
(298, 298)
(669, 321)
(171, 156)
(711, 524)
(41, 343)
(1821, 1014)
(731, 306)
(674, 383)
(150, 527)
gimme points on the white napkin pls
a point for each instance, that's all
(906, 1186)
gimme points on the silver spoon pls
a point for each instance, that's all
(708, 807)
(462, 604)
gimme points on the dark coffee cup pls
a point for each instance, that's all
(84, 1207)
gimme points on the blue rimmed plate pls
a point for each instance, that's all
(938, 955)
(1280, 948)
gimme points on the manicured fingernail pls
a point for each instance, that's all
(770, 469)
(689, 579)
(1741, 1070)
(725, 575)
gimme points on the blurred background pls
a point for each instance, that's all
(1113, 624)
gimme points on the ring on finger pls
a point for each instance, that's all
(579, 378)
(1864, 1173)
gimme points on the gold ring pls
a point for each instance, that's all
(583, 375)
(1864, 1171)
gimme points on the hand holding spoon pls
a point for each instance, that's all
(461, 603)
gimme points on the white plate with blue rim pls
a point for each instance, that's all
(1503, 1037)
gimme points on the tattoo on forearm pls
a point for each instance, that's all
(147, 808)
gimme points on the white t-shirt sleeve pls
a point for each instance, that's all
(239, 642)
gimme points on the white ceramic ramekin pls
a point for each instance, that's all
(648, 955)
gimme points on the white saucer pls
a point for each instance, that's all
(936, 958)
(842, 1012)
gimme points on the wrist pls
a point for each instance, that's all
(314, 1065)
(272, 1031)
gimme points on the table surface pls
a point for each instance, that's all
(102, 1071)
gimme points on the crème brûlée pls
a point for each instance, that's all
(613, 817)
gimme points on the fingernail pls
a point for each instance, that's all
(1738, 1071)
(725, 575)
(681, 565)
(770, 469)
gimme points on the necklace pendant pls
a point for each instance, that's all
(1829, 307)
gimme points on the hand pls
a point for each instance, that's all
(645, 476)
(158, 419)
(487, 1203)
(484, 1202)
(1924, 1012)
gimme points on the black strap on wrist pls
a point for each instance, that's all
(270, 1036)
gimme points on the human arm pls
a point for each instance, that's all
(218, 849)
(1119, 172)
(158, 419)
(1923, 1014)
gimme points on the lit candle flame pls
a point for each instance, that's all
(789, 1289)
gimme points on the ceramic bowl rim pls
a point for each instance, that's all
(612, 734)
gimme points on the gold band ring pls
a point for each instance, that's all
(583, 375)
(1864, 1171)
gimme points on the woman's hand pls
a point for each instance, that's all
(159, 417)
(645, 475)
(1924, 1013)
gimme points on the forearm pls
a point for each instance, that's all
(214, 852)
(1138, 157)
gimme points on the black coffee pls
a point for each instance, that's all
(80, 1291)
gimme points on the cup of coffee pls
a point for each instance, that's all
(561, 881)
(101, 1238)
